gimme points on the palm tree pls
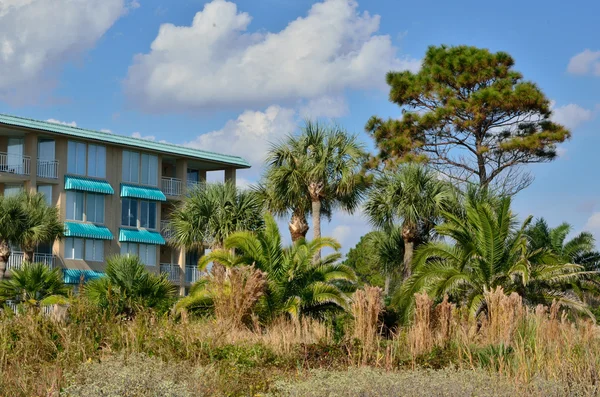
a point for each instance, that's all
(389, 252)
(413, 196)
(320, 169)
(489, 251)
(41, 223)
(296, 285)
(128, 287)
(211, 212)
(12, 220)
(34, 284)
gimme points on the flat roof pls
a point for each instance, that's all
(177, 150)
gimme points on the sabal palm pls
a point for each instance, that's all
(213, 211)
(12, 220)
(319, 169)
(34, 284)
(489, 250)
(128, 287)
(41, 223)
(389, 253)
(296, 285)
(414, 197)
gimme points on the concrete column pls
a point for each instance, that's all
(31, 149)
(230, 175)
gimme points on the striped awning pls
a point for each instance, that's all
(141, 236)
(87, 230)
(88, 185)
(74, 276)
(142, 192)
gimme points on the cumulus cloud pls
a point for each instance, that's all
(216, 62)
(70, 124)
(106, 130)
(250, 134)
(38, 36)
(571, 115)
(325, 106)
(146, 137)
(586, 62)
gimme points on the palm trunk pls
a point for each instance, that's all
(409, 247)
(28, 256)
(316, 220)
(4, 255)
(298, 226)
(386, 286)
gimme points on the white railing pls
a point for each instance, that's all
(171, 186)
(15, 164)
(47, 169)
(192, 274)
(166, 230)
(172, 271)
(16, 258)
(14, 306)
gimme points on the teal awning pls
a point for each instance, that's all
(142, 192)
(88, 185)
(87, 230)
(73, 276)
(141, 236)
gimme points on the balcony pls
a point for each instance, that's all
(172, 271)
(172, 186)
(15, 164)
(16, 258)
(192, 274)
(165, 230)
(47, 169)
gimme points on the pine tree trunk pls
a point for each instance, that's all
(409, 247)
(316, 220)
(298, 226)
(4, 255)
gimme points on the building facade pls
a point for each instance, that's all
(114, 193)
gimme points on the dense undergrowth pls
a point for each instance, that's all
(94, 353)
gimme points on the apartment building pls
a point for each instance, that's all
(114, 193)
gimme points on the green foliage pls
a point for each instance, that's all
(489, 250)
(296, 285)
(363, 259)
(12, 221)
(34, 284)
(129, 287)
(41, 223)
(317, 171)
(471, 116)
(213, 211)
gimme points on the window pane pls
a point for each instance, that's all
(79, 206)
(72, 158)
(69, 248)
(133, 211)
(74, 205)
(12, 190)
(101, 161)
(100, 208)
(123, 248)
(125, 212)
(92, 160)
(46, 190)
(152, 215)
(145, 169)
(132, 249)
(135, 167)
(151, 255)
(80, 159)
(77, 248)
(94, 250)
(125, 174)
(89, 250)
(144, 214)
(153, 170)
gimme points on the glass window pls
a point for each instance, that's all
(74, 205)
(129, 212)
(131, 166)
(148, 254)
(94, 210)
(97, 161)
(148, 214)
(12, 190)
(46, 190)
(73, 248)
(129, 249)
(76, 158)
(149, 169)
(94, 250)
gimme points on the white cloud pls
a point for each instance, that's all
(106, 130)
(146, 137)
(250, 135)
(561, 151)
(325, 106)
(38, 36)
(71, 124)
(586, 62)
(593, 222)
(571, 115)
(341, 233)
(215, 62)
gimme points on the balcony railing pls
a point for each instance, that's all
(172, 186)
(16, 258)
(15, 164)
(166, 230)
(172, 271)
(192, 274)
(47, 169)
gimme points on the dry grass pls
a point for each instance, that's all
(366, 309)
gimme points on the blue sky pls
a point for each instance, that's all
(232, 76)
